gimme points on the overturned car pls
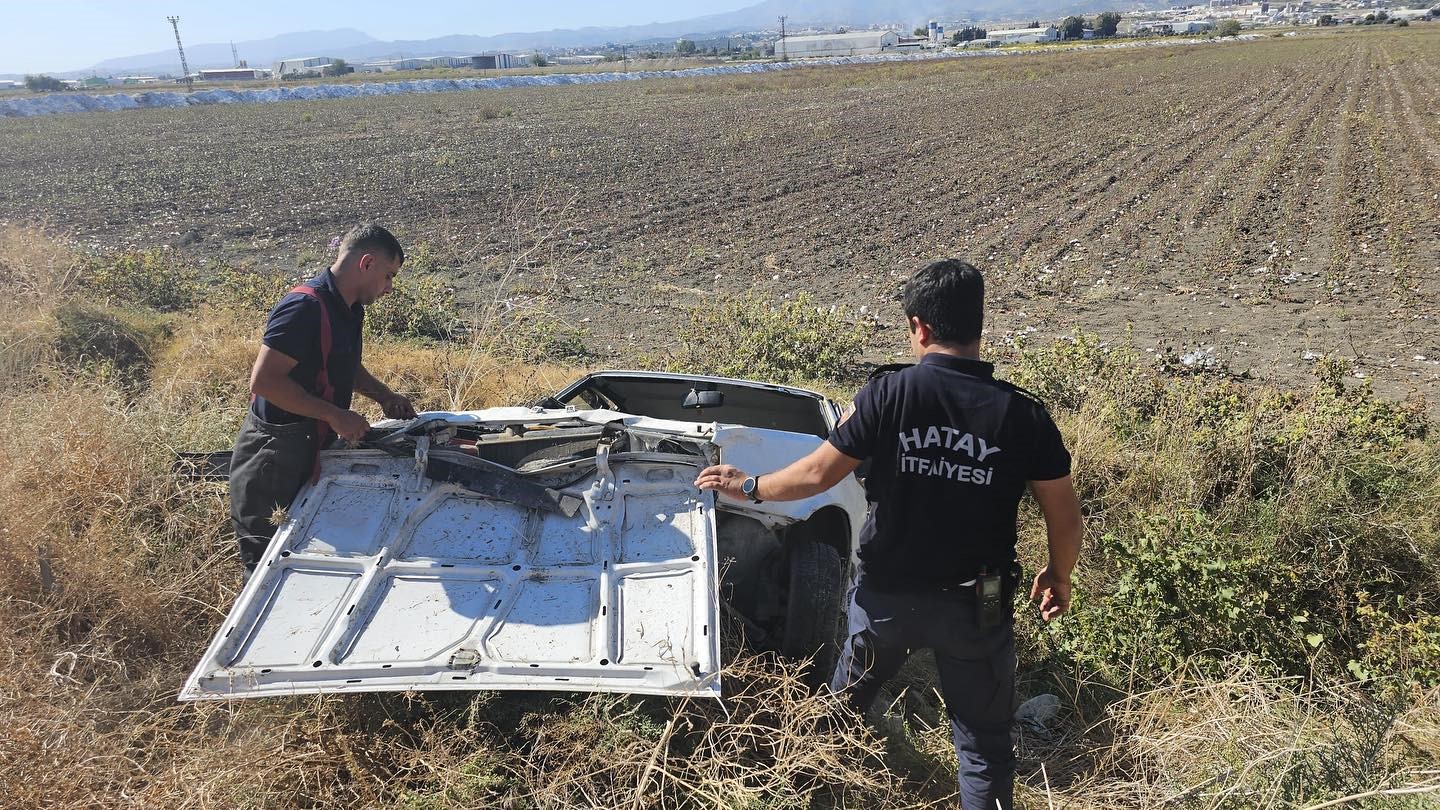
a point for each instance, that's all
(559, 546)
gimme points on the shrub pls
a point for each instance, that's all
(246, 289)
(1067, 374)
(537, 336)
(44, 84)
(1400, 643)
(108, 341)
(794, 341)
(1184, 588)
(1227, 28)
(421, 306)
(151, 278)
(1234, 520)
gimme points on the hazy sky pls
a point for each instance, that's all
(61, 35)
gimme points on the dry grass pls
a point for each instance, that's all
(446, 377)
(1246, 740)
(114, 573)
(33, 269)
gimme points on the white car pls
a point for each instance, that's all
(560, 546)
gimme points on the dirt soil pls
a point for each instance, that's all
(1245, 207)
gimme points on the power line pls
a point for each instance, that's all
(185, 68)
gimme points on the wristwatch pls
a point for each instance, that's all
(749, 486)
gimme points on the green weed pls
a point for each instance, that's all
(790, 342)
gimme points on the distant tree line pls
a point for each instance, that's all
(1105, 24)
(44, 84)
(1227, 28)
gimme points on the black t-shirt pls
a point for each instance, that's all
(951, 449)
(294, 330)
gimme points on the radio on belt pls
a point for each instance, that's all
(990, 599)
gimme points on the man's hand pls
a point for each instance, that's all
(1052, 592)
(397, 406)
(348, 425)
(724, 479)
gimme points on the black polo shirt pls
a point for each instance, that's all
(951, 449)
(294, 330)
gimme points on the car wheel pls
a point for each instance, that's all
(813, 604)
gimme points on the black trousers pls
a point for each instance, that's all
(268, 467)
(976, 668)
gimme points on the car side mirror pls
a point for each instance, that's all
(701, 399)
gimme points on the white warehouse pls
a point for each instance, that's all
(854, 43)
(1012, 36)
(302, 65)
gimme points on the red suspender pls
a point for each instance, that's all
(323, 388)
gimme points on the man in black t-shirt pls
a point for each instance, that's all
(952, 452)
(303, 381)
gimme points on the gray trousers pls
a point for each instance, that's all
(268, 467)
(976, 668)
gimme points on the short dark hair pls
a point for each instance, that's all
(367, 237)
(949, 296)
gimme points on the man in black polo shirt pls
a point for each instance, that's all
(952, 452)
(303, 380)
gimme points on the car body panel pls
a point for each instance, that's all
(758, 451)
(386, 575)
(382, 579)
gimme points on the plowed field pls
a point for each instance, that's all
(1250, 205)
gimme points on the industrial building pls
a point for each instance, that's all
(492, 61)
(1139, 27)
(854, 43)
(389, 65)
(233, 75)
(303, 65)
(1014, 36)
(486, 61)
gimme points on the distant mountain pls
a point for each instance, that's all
(257, 52)
(355, 46)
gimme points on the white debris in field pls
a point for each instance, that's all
(1199, 358)
(71, 102)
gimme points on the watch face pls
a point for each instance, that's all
(748, 486)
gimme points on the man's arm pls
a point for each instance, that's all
(270, 378)
(395, 406)
(1063, 527)
(820, 470)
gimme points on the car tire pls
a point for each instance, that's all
(814, 602)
